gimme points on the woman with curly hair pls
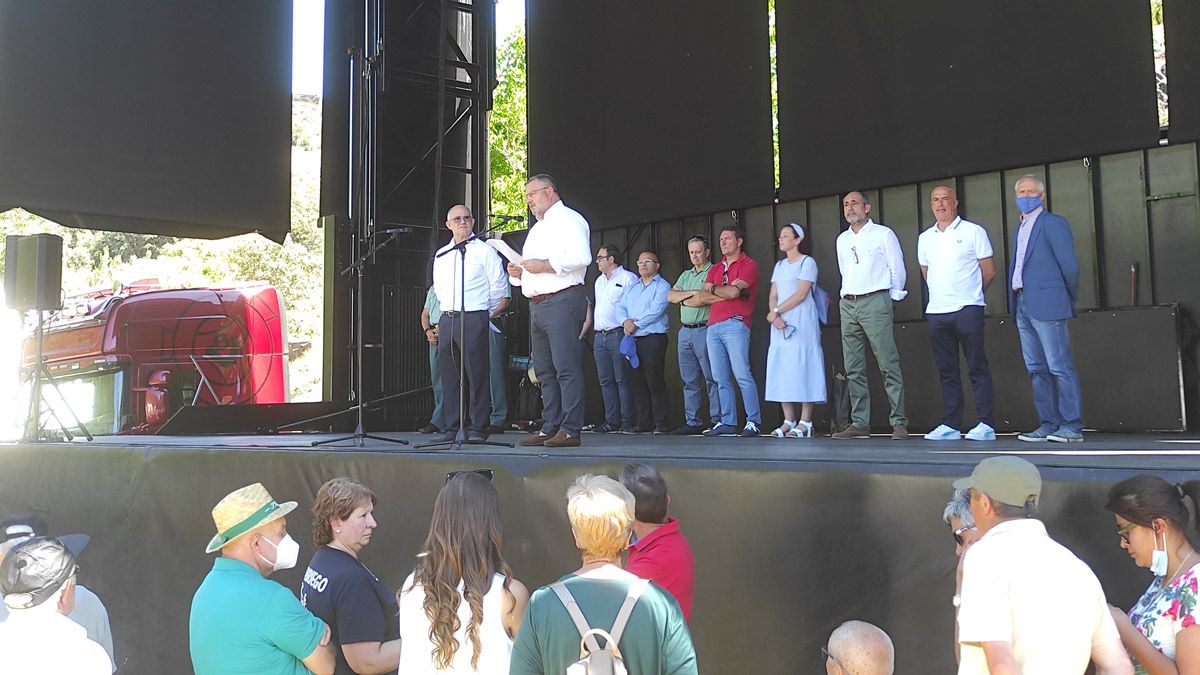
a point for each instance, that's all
(460, 608)
(1156, 522)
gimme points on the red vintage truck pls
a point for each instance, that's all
(126, 360)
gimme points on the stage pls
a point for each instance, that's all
(791, 536)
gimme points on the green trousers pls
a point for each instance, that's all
(863, 321)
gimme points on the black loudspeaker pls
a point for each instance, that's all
(33, 272)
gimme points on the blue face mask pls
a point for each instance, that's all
(1028, 204)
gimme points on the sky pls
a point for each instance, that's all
(308, 19)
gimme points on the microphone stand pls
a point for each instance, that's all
(461, 437)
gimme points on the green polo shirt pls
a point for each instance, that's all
(691, 280)
(242, 623)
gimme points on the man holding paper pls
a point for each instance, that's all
(550, 273)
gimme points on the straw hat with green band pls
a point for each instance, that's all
(243, 510)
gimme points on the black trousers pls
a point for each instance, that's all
(477, 376)
(649, 383)
(948, 332)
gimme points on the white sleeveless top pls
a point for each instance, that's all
(416, 652)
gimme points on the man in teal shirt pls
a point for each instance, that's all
(693, 346)
(241, 622)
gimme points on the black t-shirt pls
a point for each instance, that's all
(343, 593)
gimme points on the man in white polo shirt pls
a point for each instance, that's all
(956, 261)
(1027, 605)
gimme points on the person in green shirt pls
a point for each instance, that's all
(692, 344)
(656, 641)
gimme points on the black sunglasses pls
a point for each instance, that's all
(831, 657)
(486, 473)
(958, 539)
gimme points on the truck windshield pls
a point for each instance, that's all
(95, 398)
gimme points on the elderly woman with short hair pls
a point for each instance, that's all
(339, 589)
(655, 641)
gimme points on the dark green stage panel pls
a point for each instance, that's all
(789, 543)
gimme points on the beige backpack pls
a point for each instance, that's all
(594, 659)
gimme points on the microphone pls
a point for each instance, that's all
(506, 219)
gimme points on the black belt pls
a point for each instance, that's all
(694, 325)
(542, 297)
(853, 298)
(609, 330)
(456, 312)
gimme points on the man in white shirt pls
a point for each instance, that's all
(1028, 606)
(554, 261)
(37, 578)
(956, 260)
(873, 275)
(607, 321)
(467, 303)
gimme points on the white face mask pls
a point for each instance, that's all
(287, 552)
(1158, 559)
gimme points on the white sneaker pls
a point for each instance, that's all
(943, 433)
(981, 432)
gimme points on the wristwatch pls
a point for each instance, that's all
(956, 600)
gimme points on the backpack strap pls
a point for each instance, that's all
(635, 591)
(581, 623)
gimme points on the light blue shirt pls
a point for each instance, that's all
(646, 304)
(1022, 243)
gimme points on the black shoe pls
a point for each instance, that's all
(428, 429)
(605, 428)
(447, 436)
(661, 431)
(688, 430)
(476, 436)
(494, 429)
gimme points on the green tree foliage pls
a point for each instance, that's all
(508, 133)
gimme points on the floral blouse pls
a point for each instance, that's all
(1162, 612)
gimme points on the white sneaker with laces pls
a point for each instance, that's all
(981, 432)
(943, 433)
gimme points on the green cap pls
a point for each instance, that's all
(1006, 479)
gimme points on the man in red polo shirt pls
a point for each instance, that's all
(659, 551)
(729, 291)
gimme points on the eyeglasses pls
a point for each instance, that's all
(462, 219)
(1123, 532)
(486, 473)
(831, 657)
(958, 539)
(854, 251)
(647, 262)
(602, 257)
(530, 193)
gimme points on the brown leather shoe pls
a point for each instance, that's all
(534, 439)
(562, 440)
(852, 432)
(900, 433)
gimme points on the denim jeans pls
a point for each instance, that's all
(697, 377)
(1046, 346)
(612, 370)
(435, 378)
(729, 357)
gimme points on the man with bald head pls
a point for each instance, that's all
(859, 648)
(1043, 289)
(470, 285)
(873, 276)
(956, 260)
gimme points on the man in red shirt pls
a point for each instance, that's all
(729, 291)
(659, 551)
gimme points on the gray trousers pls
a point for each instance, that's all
(558, 359)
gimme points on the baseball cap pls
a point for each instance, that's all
(34, 570)
(629, 350)
(1006, 479)
(16, 529)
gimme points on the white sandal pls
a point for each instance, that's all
(784, 430)
(803, 429)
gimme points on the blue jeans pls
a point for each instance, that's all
(729, 357)
(697, 376)
(1046, 346)
(496, 357)
(435, 378)
(614, 379)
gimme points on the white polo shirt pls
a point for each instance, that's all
(952, 257)
(1021, 586)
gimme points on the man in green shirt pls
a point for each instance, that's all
(692, 343)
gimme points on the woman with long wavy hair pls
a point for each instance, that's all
(460, 608)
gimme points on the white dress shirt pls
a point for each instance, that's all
(951, 258)
(608, 312)
(486, 282)
(563, 238)
(870, 260)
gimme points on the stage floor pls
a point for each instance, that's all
(1166, 451)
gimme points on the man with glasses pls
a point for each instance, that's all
(470, 284)
(859, 648)
(729, 293)
(692, 346)
(554, 261)
(608, 321)
(1017, 582)
(873, 276)
(957, 516)
(645, 304)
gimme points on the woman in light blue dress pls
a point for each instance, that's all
(795, 362)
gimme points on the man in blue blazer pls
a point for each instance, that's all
(1044, 284)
